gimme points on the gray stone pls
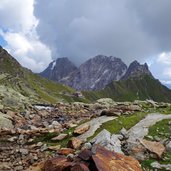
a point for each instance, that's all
(103, 135)
(157, 165)
(156, 138)
(124, 132)
(168, 146)
(105, 139)
(23, 151)
(17, 168)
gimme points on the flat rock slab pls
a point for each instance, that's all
(136, 146)
(94, 125)
(141, 128)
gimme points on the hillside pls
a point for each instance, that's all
(142, 88)
(20, 86)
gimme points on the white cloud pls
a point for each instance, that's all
(161, 67)
(165, 58)
(17, 27)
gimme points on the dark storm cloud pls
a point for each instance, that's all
(80, 29)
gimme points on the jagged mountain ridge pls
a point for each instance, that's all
(96, 73)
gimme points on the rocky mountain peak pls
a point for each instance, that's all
(136, 69)
(59, 69)
(96, 73)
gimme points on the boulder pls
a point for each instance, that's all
(105, 139)
(154, 147)
(82, 128)
(106, 160)
(80, 167)
(5, 121)
(74, 143)
(59, 163)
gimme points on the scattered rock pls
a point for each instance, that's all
(110, 113)
(82, 128)
(105, 139)
(74, 143)
(54, 148)
(24, 151)
(168, 146)
(154, 147)
(65, 151)
(59, 137)
(157, 165)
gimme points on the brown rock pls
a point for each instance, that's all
(55, 148)
(57, 164)
(59, 137)
(80, 167)
(85, 154)
(106, 160)
(82, 128)
(65, 151)
(154, 147)
(74, 143)
(111, 112)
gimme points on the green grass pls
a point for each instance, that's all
(162, 130)
(141, 88)
(116, 125)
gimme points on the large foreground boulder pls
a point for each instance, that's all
(101, 160)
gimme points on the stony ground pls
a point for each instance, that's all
(40, 133)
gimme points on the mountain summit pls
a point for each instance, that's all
(136, 70)
(59, 69)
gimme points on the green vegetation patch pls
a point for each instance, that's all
(116, 125)
(162, 130)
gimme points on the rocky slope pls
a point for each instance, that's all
(19, 86)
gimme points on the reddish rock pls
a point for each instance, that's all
(154, 147)
(65, 151)
(80, 167)
(57, 164)
(82, 128)
(85, 154)
(74, 143)
(110, 161)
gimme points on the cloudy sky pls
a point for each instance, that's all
(35, 32)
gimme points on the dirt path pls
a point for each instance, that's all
(94, 125)
(141, 128)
